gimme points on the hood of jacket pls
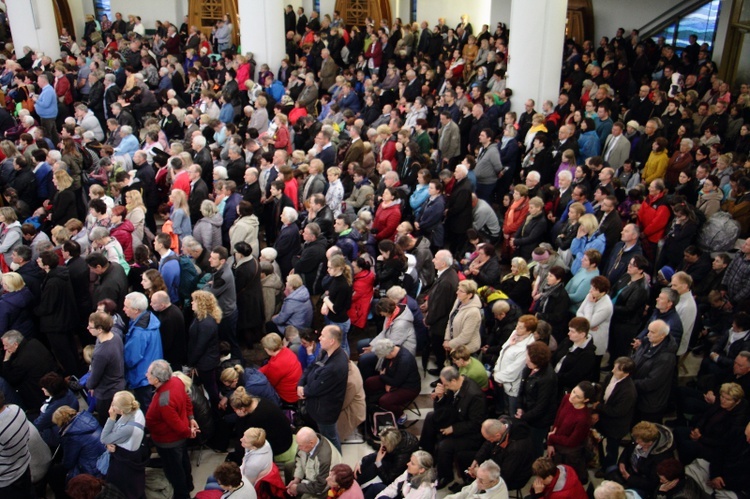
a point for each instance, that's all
(475, 302)
(665, 441)
(59, 272)
(147, 320)
(250, 220)
(126, 226)
(215, 220)
(273, 281)
(20, 299)
(83, 424)
(716, 195)
(301, 294)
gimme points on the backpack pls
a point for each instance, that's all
(191, 277)
(719, 233)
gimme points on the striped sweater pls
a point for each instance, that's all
(14, 444)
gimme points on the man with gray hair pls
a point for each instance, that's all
(397, 382)
(438, 305)
(464, 397)
(142, 346)
(488, 482)
(458, 217)
(655, 361)
(85, 119)
(171, 423)
(26, 360)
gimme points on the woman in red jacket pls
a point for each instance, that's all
(515, 217)
(122, 230)
(282, 140)
(653, 217)
(283, 370)
(363, 285)
(566, 442)
(555, 482)
(388, 215)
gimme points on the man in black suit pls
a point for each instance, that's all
(610, 223)
(290, 19)
(438, 305)
(198, 193)
(301, 21)
(326, 153)
(444, 436)
(287, 245)
(203, 158)
(640, 106)
(615, 412)
(458, 217)
(413, 87)
(80, 279)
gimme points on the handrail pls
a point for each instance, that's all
(670, 16)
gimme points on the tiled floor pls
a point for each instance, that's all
(352, 453)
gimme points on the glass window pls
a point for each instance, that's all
(701, 22)
(102, 7)
(667, 33)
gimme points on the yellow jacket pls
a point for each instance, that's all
(656, 166)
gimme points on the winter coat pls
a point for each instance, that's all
(616, 413)
(49, 432)
(653, 217)
(16, 312)
(25, 368)
(142, 347)
(325, 383)
(81, 445)
(573, 366)
(203, 338)
(10, 239)
(710, 203)
(537, 397)
(464, 328)
(296, 310)
(362, 293)
(207, 231)
(249, 293)
(283, 371)
(431, 221)
(565, 485)
(57, 310)
(528, 236)
(579, 246)
(272, 286)
(353, 409)
(401, 330)
(123, 232)
(654, 368)
(645, 479)
(393, 463)
(386, 220)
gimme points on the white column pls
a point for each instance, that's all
(262, 31)
(32, 23)
(537, 37)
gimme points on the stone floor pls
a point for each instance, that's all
(352, 453)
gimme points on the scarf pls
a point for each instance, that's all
(545, 295)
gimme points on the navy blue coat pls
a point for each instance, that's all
(325, 386)
(81, 445)
(431, 221)
(15, 311)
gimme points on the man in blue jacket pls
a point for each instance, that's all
(142, 346)
(46, 107)
(169, 265)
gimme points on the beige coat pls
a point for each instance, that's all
(353, 411)
(465, 325)
(245, 229)
(272, 285)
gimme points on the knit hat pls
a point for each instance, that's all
(667, 272)
(634, 124)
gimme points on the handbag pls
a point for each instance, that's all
(102, 463)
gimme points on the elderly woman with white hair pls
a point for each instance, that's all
(288, 241)
(417, 482)
(397, 382)
(681, 161)
(129, 143)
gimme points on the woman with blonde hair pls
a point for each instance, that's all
(248, 378)
(136, 214)
(11, 236)
(283, 369)
(80, 444)
(123, 435)
(179, 214)
(203, 341)
(15, 305)
(258, 412)
(63, 203)
(517, 283)
(258, 459)
(588, 237)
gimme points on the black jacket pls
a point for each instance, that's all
(203, 158)
(287, 245)
(489, 273)
(555, 310)
(645, 479)
(467, 411)
(80, 279)
(513, 453)
(33, 277)
(203, 339)
(616, 414)
(654, 369)
(726, 359)
(576, 366)
(459, 217)
(309, 260)
(611, 228)
(402, 371)
(325, 386)
(112, 284)
(528, 236)
(393, 463)
(440, 302)
(173, 340)
(198, 194)
(25, 368)
(538, 397)
(57, 310)
(628, 309)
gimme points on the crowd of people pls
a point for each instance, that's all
(170, 208)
